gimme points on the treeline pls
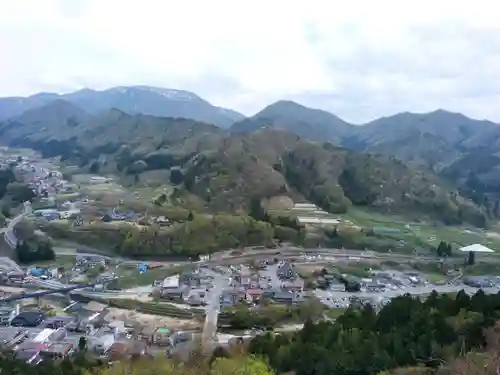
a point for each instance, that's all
(201, 235)
(197, 364)
(406, 332)
(269, 315)
(34, 252)
(6, 177)
(81, 365)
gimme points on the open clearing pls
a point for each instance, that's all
(150, 320)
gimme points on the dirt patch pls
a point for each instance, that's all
(280, 202)
(148, 320)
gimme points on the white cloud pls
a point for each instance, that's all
(357, 59)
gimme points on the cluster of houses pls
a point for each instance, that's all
(33, 337)
(281, 286)
(190, 286)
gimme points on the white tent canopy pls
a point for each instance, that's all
(476, 248)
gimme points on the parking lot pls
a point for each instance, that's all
(383, 286)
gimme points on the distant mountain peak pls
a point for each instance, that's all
(287, 103)
(45, 95)
(307, 123)
(141, 99)
(172, 94)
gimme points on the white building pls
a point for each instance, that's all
(305, 207)
(7, 313)
(171, 282)
(317, 220)
(44, 335)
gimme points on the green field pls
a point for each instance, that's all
(130, 276)
(418, 233)
(64, 261)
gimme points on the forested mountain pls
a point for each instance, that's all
(225, 172)
(307, 123)
(464, 151)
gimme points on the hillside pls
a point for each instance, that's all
(308, 123)
(433, 139)
(226, 172)
(464, 151)
(132, 100)
(271, 163)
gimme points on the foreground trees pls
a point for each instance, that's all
(81, 365)
(406, 332)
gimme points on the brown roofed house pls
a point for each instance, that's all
(253, 295)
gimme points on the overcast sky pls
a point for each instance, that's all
(357, 59)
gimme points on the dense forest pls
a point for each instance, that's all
(405, 332)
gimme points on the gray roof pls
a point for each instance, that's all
(7, 334)
(283, 295)
(173, 291)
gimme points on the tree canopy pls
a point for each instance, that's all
(406, 332)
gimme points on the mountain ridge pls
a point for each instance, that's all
(463, 150)
(156, 101)
(223, 172)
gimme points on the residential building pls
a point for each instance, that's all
(171, 282)
(172, 293)
(29, 355)
(191, 278)
(28, 319)
(43, 336)
(101, 342)
(161, 336)
(230, 297)
(253, 295)
(7, 313)
(16, 277)
(288, 298)
(296, 285)
(11, 336)
(57, 350)
(336, 286)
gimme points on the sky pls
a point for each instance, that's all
(358, 59)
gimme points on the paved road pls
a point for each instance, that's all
(213, 308)
(418, 290)
(8, 232)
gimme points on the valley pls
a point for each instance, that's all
(225, 230)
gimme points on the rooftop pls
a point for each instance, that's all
(58, 347)
(171, 282)
(476, 248)
(7, 334)
(316, 220)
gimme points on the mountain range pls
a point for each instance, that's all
(134, 99)
(149, 128)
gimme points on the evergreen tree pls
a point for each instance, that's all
(82, 343)
(442, 249)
